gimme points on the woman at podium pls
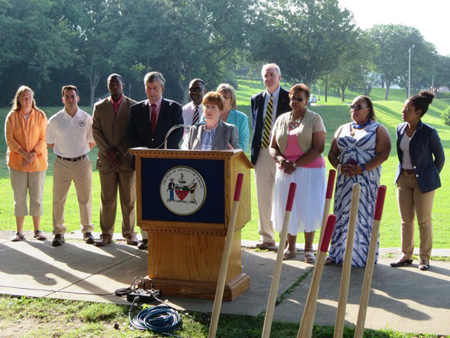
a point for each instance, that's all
(213, 133)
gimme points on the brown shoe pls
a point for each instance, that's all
(103, 241)
(265, 245)
(132, 240)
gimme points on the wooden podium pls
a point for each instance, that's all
(184, 202)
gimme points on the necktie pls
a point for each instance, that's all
(153, 118)
(267, 124)
(195, 116)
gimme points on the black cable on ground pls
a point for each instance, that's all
(162, 319)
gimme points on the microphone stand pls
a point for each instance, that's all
(172, 129)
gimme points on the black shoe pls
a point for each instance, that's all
(143, 245)
(401, 263)
(58, 240)
(88, 238)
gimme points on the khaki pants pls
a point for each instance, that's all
(265, 170)
(412, 201)
(125, 182)
(22, 183)
(64, 172)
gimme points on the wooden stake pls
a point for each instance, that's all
(225, 259)
(278, 264)
(307, 323)
(347, 268)
(370, 265)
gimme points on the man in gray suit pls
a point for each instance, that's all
(110, 120)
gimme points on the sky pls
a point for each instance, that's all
(429, 17)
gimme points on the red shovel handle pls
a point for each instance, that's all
(290, 200)
(237, 192)
(380, 202)
(331, 178)
(331, 221)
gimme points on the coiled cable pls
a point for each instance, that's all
(161, 318)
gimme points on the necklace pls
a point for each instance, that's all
(294, 123)
(360, 126)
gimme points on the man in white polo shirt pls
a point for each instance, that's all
(69, 135)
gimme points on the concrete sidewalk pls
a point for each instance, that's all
(402, 299)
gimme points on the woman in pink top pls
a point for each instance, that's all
(25, 129)
(297, 144)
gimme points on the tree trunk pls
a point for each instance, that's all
(388, 86)
(343, 93)
(326, 92)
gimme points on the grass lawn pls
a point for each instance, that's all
(333, 112)
(43, 317)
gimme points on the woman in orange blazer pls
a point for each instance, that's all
(25, 129)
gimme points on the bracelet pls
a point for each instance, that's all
(281, 161)
(338, 168)
(363, 166)
(294, 164)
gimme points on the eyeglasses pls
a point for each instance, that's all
(195, 90)
(357, 107)
(300, 99)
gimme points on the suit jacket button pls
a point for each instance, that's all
(417, 175)
(152, 139)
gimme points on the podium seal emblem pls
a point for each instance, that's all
(182, 190)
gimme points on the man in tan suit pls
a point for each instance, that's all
(110, 120)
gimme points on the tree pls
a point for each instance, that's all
(394, 42)
(96, 26)
(189, 39)
(32, 44)
(441, 72)
(305, 38)
(354, 63)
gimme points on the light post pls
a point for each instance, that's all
(409, 70)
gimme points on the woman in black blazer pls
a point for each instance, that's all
(421, 158)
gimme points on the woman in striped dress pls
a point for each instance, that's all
(357, 151)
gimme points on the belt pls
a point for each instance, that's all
(72, 159)
(408, 171)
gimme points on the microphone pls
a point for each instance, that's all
(172, 129)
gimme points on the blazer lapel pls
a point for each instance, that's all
(122, 109)
(145, 118)
(218, 136)
(260, 113)
(400, 134)
(162, 117)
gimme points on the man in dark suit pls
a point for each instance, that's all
(110, 119)
(151, 119)
(273, 102)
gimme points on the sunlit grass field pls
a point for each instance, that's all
(334, 113)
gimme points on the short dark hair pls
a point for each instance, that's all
(300, 87)
(369, 104)
(114, 75)
(422, 101)
(69, 87)
(197, 80)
